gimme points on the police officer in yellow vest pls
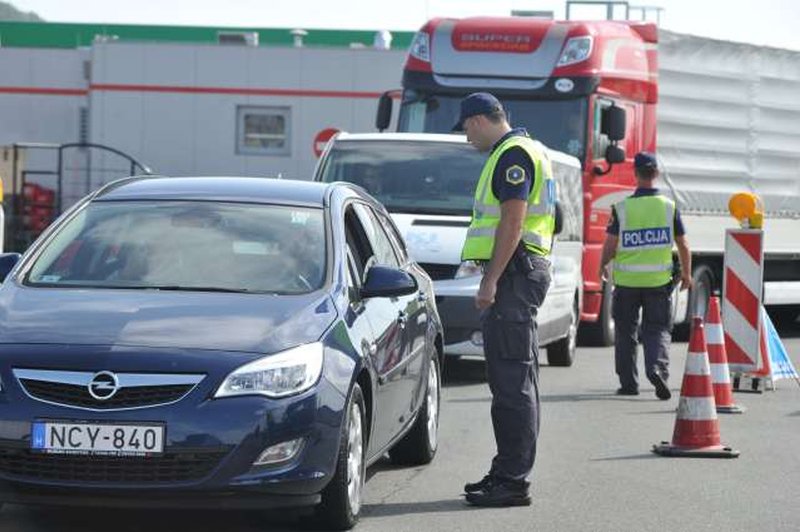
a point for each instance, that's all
(640, 236)
(511, 234)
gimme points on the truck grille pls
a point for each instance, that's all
(23, 464)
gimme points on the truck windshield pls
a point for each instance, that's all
(559, 124)
(407, 176)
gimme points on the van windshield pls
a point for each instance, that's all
(407, 176)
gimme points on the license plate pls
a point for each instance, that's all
(93, 438)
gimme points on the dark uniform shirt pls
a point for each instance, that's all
(613, 222)
(514, 174)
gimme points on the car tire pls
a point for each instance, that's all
(601, 332)
(341, 498)
(562, 352)
(418, 446)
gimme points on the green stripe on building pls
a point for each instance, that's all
(68, 35)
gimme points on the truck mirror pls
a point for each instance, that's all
(384, 115)
(613, 125)
(615, 154)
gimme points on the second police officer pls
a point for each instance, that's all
(640, 236)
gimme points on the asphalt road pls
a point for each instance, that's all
(594, 470)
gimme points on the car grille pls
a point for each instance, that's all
(109, 391)
(439, 272)
(182, 466)
(72, 395)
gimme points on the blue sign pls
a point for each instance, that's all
(658, 236)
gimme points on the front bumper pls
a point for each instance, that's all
(230, 432)
(455, 300)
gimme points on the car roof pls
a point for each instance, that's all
(235, 189)
(402, 137)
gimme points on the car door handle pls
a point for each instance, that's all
(402, 318)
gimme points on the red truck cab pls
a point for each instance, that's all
(558, 79)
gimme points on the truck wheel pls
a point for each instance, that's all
(783, 314)
(562, 352)
(418, 447)
(700, 295)
(601, 332)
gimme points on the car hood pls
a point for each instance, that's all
(190, 320)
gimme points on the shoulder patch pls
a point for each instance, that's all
(515, 175)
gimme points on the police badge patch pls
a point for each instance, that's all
(515, 175)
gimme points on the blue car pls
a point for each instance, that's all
(215, 343)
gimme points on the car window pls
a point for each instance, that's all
(394, 236)
(358, 245)
(381, 245)
(187, 245)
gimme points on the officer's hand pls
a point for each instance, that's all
(686, 282)
(485, 296)
(603, 274)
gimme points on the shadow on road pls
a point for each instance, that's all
(464, 372)
(640, 456)
(411, 508)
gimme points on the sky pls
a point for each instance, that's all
(763, 22)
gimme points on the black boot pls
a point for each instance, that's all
(483, 484)
(501, 494)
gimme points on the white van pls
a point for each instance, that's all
(426, 182)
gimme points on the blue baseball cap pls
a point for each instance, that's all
(477, 103)
(645, 159)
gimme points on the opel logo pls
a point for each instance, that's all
(103, 385)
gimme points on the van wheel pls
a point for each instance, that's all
(418, 447)
(341, 498)
(601, 332)
(562, 352)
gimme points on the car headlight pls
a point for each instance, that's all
(576, 50)
(421, 46)
(287, 373)
(468, 268)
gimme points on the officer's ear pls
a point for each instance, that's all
(559, 216)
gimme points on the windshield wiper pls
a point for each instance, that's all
(181, 288)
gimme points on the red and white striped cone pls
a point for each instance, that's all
(718, 358)
(696, 425)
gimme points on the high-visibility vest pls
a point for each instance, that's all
(539, 225)
(646, 237)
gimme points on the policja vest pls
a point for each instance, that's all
(539, 225)
(644, 250)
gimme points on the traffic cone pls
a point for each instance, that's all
(696, 426)
(718, 358)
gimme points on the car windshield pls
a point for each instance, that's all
(407, 176)
(558, 124)
(186, 245)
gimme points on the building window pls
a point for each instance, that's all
(263, 130)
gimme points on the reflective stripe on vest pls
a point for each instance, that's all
(539, 221)
(646, 237)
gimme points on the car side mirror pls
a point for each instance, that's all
(383, 281)
(613, 123)
(7, 263)
(384, 116)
